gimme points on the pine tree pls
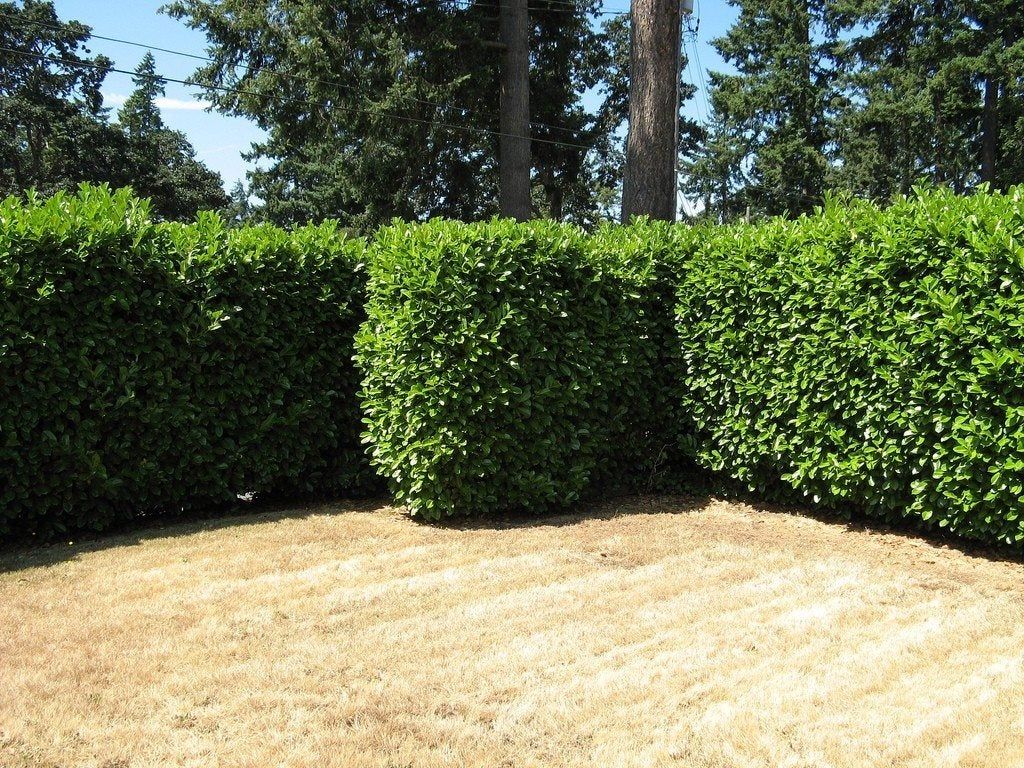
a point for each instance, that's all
(140, 115)
(54, 129)
(162, 161)
(932, 91)
(53, 133)
(903, 116)
(390, 108)
(770, 131)
(239, 208)
(568, 58)
(993, 40)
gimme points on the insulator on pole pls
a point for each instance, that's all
(686, 6)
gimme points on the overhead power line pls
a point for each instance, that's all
(289, 75)
(700, 67)
(310, 102)
(690, 65)
(560, 6)
(703, 81)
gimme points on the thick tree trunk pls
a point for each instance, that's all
(649, 184)
(990, 130)
(514, 148)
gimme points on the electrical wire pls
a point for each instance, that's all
(567, 7)
(703, 80)
(310, 102)
(292, 76)
(701, 115)
(700, 66)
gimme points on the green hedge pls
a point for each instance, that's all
(147, 368)
(864, 359)
(867, 359)
(506, 366)
(655, 451)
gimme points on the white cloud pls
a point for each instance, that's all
(181, 104)
(164, 103)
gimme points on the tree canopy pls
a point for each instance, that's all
(55, 132)
(867, 97)
(377, 109)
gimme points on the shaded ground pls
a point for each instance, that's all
(676, 633)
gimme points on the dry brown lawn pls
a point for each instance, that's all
(652, 632)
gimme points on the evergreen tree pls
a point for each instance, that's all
(650, 182)
(566, 61)
(163, 162)
(382, 108)
(140, 115)
(932, 90)
(993, 44)
(239, 208)
(904, 115)
(52, 129)
(767, 148)
(357, 99)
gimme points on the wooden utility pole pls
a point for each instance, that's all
(649, 184)
(514, 144)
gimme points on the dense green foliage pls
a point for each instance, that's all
(377, 109)
(146, 368)
(656, 449)
(867, 359)
(862, 96)
(54, 130)
(506, 367)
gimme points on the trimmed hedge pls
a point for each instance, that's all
(147, 368)
(867, 359)
(504, 364)
(657, 448)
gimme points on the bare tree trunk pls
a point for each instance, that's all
(514, 148)
(649, 184)
(990, 130)
(555, 199)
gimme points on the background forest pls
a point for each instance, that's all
(381, 109)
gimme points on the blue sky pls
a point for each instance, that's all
(220, 140)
